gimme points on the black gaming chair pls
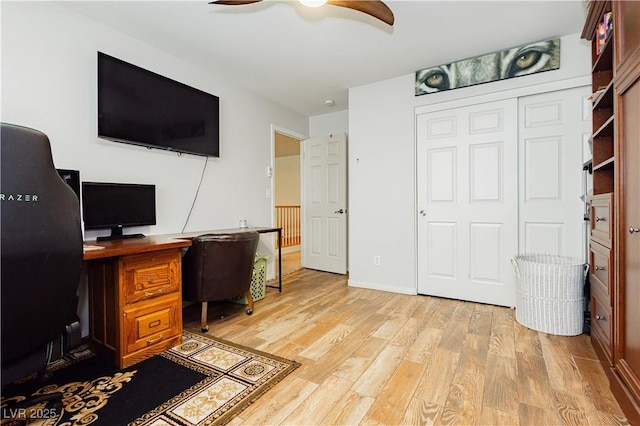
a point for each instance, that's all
(41, 255)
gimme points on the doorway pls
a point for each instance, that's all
(287, 195)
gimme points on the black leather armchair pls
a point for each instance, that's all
(41, 257)
(219, 267)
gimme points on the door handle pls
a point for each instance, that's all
(633, 230)
(341, 211)
(423, 213)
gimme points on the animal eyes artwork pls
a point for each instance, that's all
(524, 60)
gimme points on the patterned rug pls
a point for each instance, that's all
(203, 381)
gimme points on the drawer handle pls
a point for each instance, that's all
(600, 219)
(633, 230)
(152, 342)
(152, 293)
(600, 268)
(600, 318)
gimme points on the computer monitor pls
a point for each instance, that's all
(116, 206)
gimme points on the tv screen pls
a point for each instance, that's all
(140, 107)
(118, 205)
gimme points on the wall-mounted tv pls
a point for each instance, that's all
(141, 107)
(116, 206)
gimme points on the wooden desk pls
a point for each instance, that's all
(115, 248)
(135, 297)
(135, 292)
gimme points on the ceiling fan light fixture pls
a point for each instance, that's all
(313, 3)
(375, 8)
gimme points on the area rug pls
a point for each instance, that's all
(203, 381)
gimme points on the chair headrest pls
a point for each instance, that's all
(26, 160)
(231, 236)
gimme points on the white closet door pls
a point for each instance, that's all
(467, 200)
(552, 127)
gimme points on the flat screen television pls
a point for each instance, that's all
(116, 206)
(141, 107)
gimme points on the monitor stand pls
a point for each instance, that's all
(116, 234)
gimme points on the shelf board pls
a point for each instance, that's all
(606, 129)
(605, 101)
(606, 164)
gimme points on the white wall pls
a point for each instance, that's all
(49, 83)
(49, 74)
(382, 188)
(330, 123)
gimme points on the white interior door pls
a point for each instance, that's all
(467, 202)
(552, 127)
(324, 203)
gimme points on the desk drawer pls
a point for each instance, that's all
(601, 322)
(145, 276)
(601, 269)
(151, 323)
(602, 219)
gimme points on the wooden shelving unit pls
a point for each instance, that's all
(602, 140)
(615, 204)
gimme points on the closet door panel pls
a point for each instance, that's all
(550, 133)
(467, 197)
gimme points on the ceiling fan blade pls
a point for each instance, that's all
(234, 2)
(375, 8)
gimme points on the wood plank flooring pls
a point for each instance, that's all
(371, 357)
(290, 261)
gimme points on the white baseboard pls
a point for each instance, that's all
(370, 286)
(290, 249)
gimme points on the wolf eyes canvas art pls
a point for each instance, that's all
(515, 62)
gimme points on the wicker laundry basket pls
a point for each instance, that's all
(550, 293)
(258, 280)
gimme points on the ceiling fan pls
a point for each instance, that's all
(375, 8)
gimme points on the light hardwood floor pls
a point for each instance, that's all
(290, 262)
(372, 357)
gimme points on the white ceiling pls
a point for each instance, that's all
(299, 56)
